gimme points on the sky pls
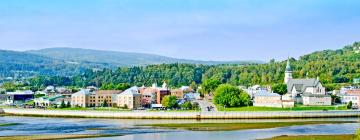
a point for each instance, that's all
(189, 29)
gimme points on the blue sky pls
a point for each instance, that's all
(191, 29)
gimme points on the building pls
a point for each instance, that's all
(161, 93)
(355, 99)
(299, 87)
(192, 96)
(102, 98)
(86, 98)
(265, 99)
(316, 100)
(51, 101)
(19, 97)
(79, 98)
(130, 98)
(178, 93)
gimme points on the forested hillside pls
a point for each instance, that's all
(332, 66)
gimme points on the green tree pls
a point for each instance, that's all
(68, 104)
(62, 105)
(349, 105)
(187, 106)
(209, 85)
(105, 104)
(230, 96)
(169, 102)
(193, 86)
(279, 88)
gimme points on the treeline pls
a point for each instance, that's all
(339, 66)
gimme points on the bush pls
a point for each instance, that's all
(349, 105)
(169, 102)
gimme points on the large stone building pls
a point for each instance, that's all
(308, 89)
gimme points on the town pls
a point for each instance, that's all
(307, 92)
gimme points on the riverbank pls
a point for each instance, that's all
(237, 126)
(180, 115)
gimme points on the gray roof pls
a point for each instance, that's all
(315, 95)
(301, 84)
(267, 94)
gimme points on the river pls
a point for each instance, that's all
(43, 125)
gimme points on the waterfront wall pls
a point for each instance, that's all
(181, 115)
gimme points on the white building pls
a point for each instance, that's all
(316, 100)
(265, 99)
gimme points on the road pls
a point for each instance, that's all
(204, 104)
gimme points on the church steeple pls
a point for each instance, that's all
(288, 72)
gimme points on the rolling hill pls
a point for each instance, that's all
(71, 61)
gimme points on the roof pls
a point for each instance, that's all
(131, 91)
(82, 91)
(266, 94)
(108, 92)
(26, 92)
(301, 84)
(315, 95)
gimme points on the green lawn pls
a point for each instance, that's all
(238, 126)
(296, 108)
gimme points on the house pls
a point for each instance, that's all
(19, 97)
(355, 99)
(265, 99)
(130, 98)
(316, 99)
(192, 96)
(178, 93)
(297, 88)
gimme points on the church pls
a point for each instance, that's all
(308, 91)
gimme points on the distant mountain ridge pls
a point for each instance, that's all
(120, 59)
(71, 61)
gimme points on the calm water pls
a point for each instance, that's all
(38, 125)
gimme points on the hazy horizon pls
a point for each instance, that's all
(186, 29)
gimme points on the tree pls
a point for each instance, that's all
(230, 96)
(126, 106)
(105, 104)
(349, 105)
(187, 106)
(193, 86)
(62, 105)
(209, 85)
(68, 104)
(279, 88)
(169, 102)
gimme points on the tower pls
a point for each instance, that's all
(288, 72)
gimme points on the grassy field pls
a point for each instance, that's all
(55, 137)
(238, 126)
(296, 108)
(314, 137)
